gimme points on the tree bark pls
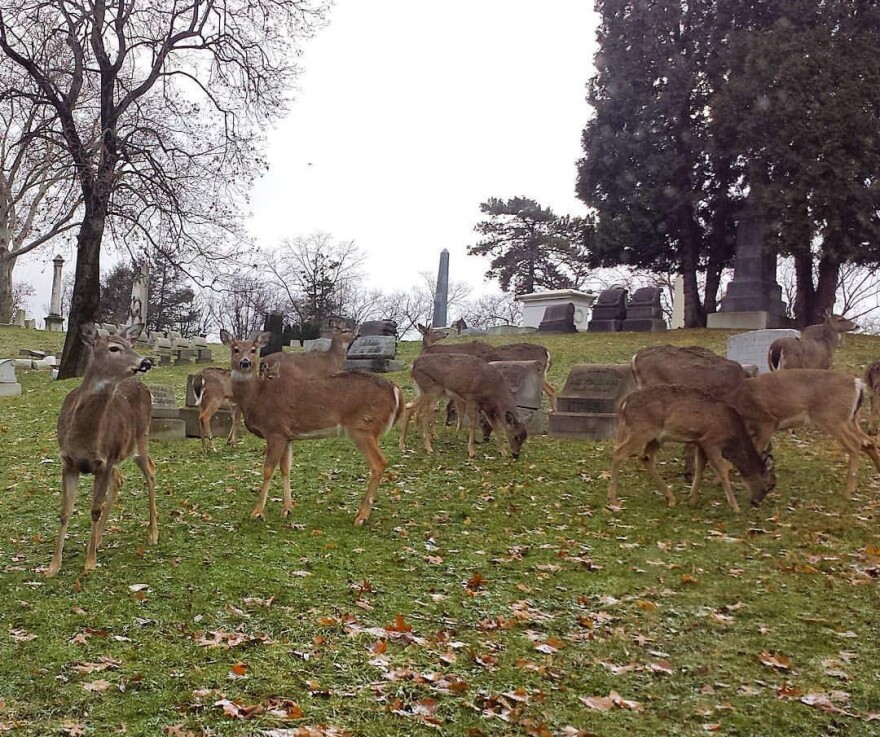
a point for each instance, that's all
(805, 292)
(86, 302)
(826, 288)
(7, 263)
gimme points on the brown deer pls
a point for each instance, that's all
(647, 417)
(320, 363)
(476, 386)
(280, 406)
(212, 386)
(105, 420)
(814, 349)
(872, 380)
(827, 400)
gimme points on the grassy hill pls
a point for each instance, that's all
(484, 597)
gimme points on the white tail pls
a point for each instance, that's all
(648, 417)
(473, 383)
(211, 387)
(281, 406)
(102, 422)
(814, 349)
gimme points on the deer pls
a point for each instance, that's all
(827, 400)
(281, 405)
(476, 386)
(212, 386)
(814, 349)
(102, 422)
(320, 363)
(872, 381)
(647, 417)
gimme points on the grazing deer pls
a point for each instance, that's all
(280, 406)
(319, 363)
(105, 420)
(431, 344)
(827, 400)
(814, 349)
(647, 417)
(872, 380)
(476, 386)
(211, 387)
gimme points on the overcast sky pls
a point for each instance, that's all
(410, 114)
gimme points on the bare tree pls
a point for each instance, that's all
(153, 99)
(242, 301)
(38, 192)
(492, 309)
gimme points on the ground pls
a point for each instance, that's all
(484, 597)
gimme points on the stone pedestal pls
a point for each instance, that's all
(587, 405)
(536, 303)
(55, 323)
(609, 312)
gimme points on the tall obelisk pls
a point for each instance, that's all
(441, 293)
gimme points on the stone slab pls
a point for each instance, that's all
(751, 348)
(10, 389)
(167, 429)
(588, 401)
(373, 346)
(583, 426)
(221, 422)
(755, 320)
(317, 344)
(605, 326)
(7, 371)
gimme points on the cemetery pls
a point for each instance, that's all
(481, 593)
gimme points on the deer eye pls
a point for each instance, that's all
(235, 349)
(114, 349)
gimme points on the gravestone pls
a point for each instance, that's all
(318, 344)
(558, 318)
(9, 386)
(30, 323)
(750, 349)
(753, 298)
(609, 311)
(378, 327)
(535, 304)
(373, 353)
(163, 349)
(526, 381)
(644, 313)
(203, 351)
(275, 325)
(54, 320)
(587, 406)
(165, 422)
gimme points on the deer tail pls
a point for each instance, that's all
(399, 405)
(198, 387)
(775, 358)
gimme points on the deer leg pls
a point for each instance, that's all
(112, 491)
(232, 438)
(69, 478)
(148, 469)
(648, 455)
(550, 391)
(429, 408)
(368, 445)
(699, 460)
(472, 412)
(722, 468)
(285, 478)
(276, 446)
(100, 508)
(206, 414)
(408, 411)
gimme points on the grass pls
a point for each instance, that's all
(484, 597)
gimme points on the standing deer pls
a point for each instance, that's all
(476, 386)
(212, 386)
(814, 349)
(282, 406)
(105, 420)
(648, 417)
(319, 363)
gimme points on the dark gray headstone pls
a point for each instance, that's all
(275, 325)
(644, 313)
(608, 311)
(587, 405)
(378, 327)
(558, 319)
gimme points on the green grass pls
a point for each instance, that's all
(484, 597)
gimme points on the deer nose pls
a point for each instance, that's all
(245, 363)
(146, 365)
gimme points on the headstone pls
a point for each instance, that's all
(373, 353)
(165, 422)
(163, 349)
(535, 304)
(9, 386)
(19, 318)
(526, 381)
(140, 294)
(275, 325)
(203, 351)
(504, 330)
(609, 311)
(30, 323)
(459, 325)
(558, 318)
(318, 344)
(378, 327)
(644, 313)
(677, 322)
(587, 405)
(441, 293)
(54, 320)
(753, 298)
(750, 349)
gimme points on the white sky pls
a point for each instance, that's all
(410, 114)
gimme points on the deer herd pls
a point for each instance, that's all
(723, 413)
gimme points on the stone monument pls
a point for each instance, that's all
(609, 311)
(140, 294)
(558, 318)
(54, 320)
(535, 304)
(275, 325)
(750, 348)
(587, 406)
(441, 293)
(374, 353)
(9, 387)
(165, 422)
(378, 327)
(644, 313)
(753, 299)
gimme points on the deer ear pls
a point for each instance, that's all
(132, 332)
(88, 333)
(262, 339)
(510, 418)
(421, 328)
(226, 337)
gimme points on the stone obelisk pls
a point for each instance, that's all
(54, 320)
(441, 293)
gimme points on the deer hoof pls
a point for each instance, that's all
(360, 521)
(671, 502)
(258, 514)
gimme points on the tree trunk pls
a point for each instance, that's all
(7, 263)
(85, 306)
(805, 293)
(694, 314)
(826, 288)
(713, 281)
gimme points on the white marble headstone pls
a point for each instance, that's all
(751, 348)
